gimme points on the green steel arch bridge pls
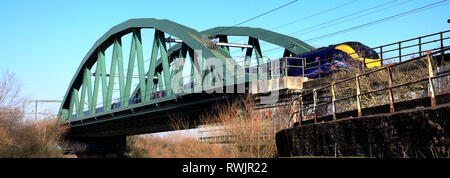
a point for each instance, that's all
(104, 102)
(146, 98)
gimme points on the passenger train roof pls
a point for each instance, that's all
(352, 44)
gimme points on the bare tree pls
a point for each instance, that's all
(9, 91)
(25, 139)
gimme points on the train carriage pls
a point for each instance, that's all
(320, 62)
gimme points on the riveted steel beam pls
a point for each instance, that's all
(146, 95)
(224, 45)
(98, 72)
(165, 62)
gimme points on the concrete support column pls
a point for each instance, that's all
(104, 147)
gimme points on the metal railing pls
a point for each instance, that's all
(310, 104)
(399, 51)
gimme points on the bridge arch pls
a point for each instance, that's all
(82, 89)
(292, 45)
(81, 82)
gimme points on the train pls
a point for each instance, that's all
(320, 62)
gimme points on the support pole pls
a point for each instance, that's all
(358, 92)
(36, 111)
(301, 109)
(333, 100)
(315, 105)
(430, 80)
(442, 49)
(391, 96)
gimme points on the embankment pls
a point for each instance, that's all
(419, 132)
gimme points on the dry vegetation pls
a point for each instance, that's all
(20, 139)
(30, 140)
(249, 138)
(171, 147)
(405, 73)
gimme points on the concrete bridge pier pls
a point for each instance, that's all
(98, 147)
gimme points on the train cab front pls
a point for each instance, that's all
(358, 51)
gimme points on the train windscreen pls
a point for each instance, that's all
(360, 48)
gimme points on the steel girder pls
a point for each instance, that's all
(292, 46)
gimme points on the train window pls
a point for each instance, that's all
(371, 54)
(365, 50)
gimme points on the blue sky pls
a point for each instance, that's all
(43, 42)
